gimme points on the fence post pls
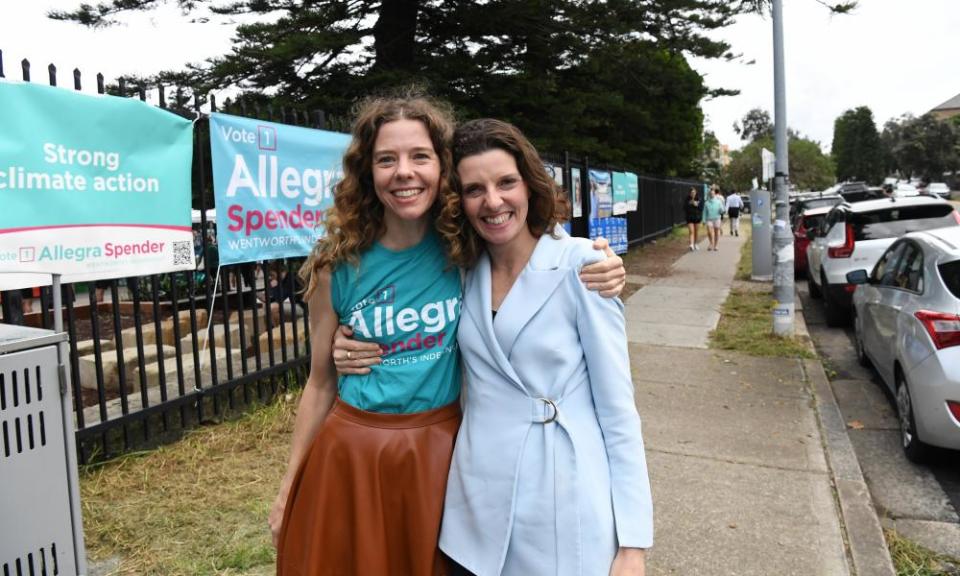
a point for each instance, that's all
(52, 72)
(25, 68)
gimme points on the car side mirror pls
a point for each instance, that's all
(858, 277)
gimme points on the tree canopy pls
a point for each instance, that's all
(810, 168)
(857, 150)
(925, 147)
(755, 124)
(607, 78)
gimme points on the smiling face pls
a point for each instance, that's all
(495, 197)
(406, 170)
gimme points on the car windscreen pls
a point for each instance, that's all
(896, 221)
(821, 202)
(813, 222)
(950, 272)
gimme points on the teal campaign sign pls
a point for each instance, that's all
(272, 184)
(633, 192)
(92, 187)
(619, 193)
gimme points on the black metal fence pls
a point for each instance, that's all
(169, 351)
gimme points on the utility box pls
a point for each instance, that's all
(41, 531)
(761, 237)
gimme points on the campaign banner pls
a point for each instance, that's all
(619, 193)
(601, 194)
(272, 184)
(576, 192)
(633, 192)
(613, 229)
(555, 172)
(91, 187)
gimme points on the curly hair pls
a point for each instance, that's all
(356, 219)
(548, 205)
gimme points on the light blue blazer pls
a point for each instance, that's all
(549, 475)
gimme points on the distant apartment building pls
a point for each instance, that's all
(721, 155)
(948, 109)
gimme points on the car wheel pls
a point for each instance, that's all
(915, 450)
(858, 342)
(831, 308)
(812, 286)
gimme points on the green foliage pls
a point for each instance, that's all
(755, 124)
(924, 146)
(810, 169)
(856, 148)
(608, 78)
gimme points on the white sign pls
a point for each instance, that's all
(769, 161)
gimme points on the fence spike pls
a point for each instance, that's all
(52, 73)
(76, 79)
(1, 64)
(213, 102)
(163, 97)
(101, 89)
(25, 67)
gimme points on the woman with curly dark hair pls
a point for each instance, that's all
(365, 481)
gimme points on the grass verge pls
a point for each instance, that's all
(196, 507)
(910, 559)
(745, 319)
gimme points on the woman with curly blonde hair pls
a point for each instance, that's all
(365, 481)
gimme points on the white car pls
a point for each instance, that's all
(904, 190)
(853, 236)
(907, 324)
(939, 188)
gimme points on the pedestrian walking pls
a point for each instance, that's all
(712, 213)
(365, 481)
(694, 216)
(549, 475)
(734, 205)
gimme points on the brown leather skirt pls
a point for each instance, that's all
(368, 497)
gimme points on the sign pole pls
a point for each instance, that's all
(783, 280)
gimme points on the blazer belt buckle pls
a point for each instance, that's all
(553, 413)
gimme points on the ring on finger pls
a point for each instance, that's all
(349, 355)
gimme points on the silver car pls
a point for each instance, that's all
(907, 324)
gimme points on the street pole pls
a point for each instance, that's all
(783, 289)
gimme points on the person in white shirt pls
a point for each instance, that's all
(733, 206)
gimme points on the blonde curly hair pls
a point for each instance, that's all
(356, 219)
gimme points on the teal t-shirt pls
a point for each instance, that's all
(408, 301)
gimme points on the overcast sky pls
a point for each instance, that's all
(895, 56)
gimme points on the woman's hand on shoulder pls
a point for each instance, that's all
(353, 356)
(629, 562)
(607, 276)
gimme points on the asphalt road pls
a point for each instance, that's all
(921, 502)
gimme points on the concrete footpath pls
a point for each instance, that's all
(751, 470)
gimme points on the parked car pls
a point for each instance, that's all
(746, 203)
(853, 236)
(939, 188)
(805, 227)
(803, 202)
(907, 324)
(904, 190)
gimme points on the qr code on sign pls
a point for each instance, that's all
(183, 253)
